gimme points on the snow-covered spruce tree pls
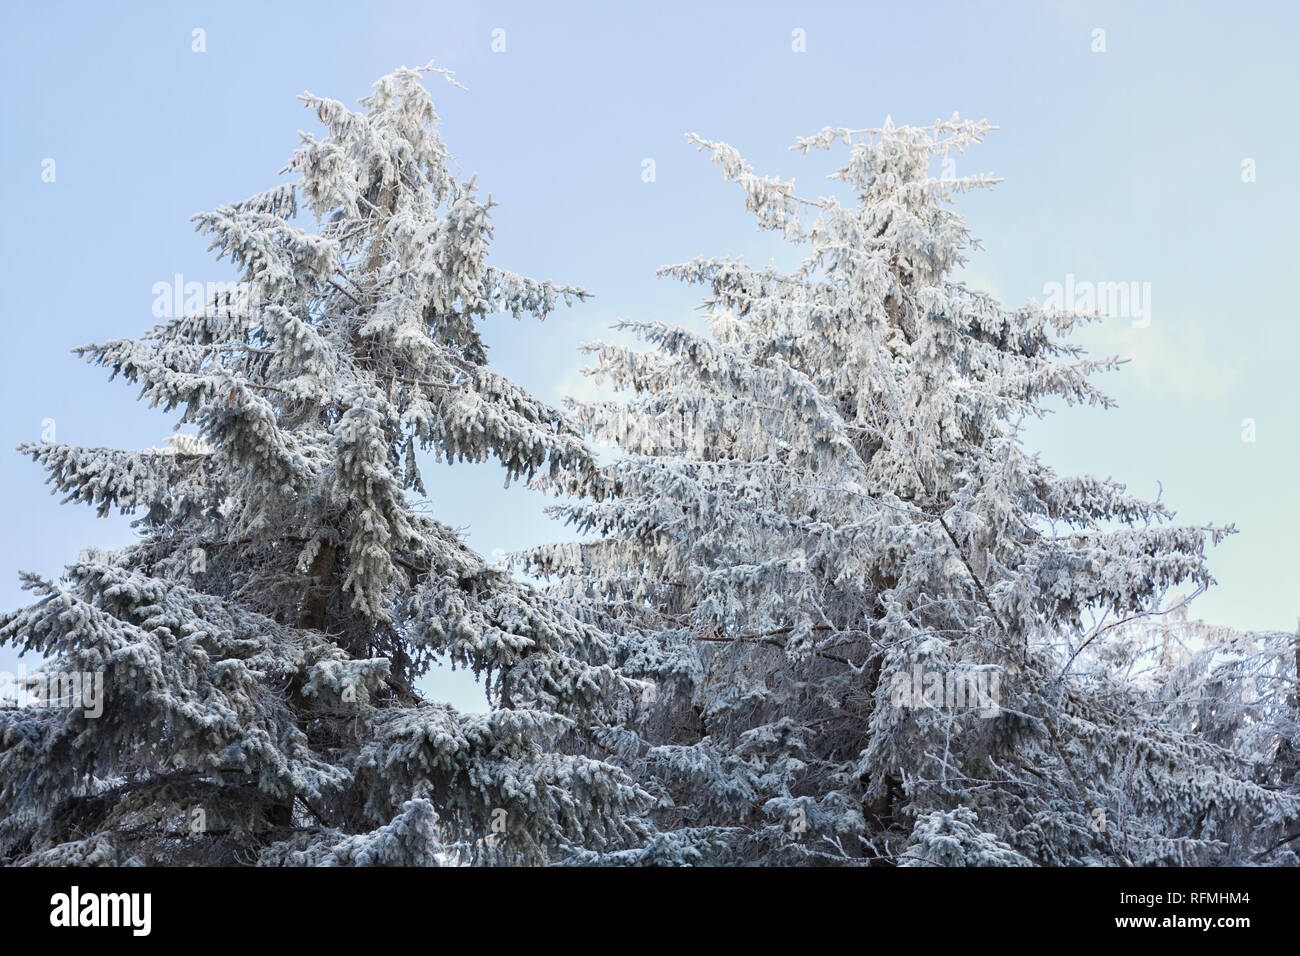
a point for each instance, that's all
(859, 597)
(1231, 693)
(259, 643)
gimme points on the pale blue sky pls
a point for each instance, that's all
(1124, 165)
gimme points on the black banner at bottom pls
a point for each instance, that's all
(929, 906)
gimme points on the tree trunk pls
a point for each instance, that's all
(316, 601)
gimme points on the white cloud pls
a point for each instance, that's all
(1164, 359)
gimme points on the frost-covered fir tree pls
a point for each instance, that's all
(1231, 694)
(875, 624)
(259, 644)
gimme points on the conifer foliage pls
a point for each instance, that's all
(259, 643)
(827, 608)
(878, 629)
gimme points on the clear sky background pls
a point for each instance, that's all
(1120, 166)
